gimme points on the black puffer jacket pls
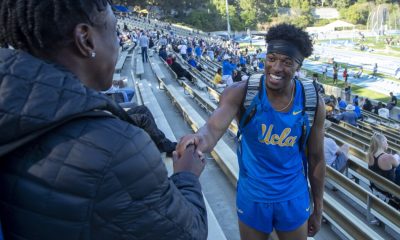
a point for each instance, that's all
(91, 178)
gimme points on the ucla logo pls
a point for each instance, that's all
(283, 140)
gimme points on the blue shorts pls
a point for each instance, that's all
(283, 216)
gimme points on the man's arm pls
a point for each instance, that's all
(316, 163)
(208, 135)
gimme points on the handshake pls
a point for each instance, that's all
(187, 157)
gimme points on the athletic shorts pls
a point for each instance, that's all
(283, 216)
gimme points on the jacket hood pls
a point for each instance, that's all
(35, 94)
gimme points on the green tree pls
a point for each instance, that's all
(357, 13)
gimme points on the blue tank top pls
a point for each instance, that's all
(270, 160)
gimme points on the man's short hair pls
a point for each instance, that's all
(292, 34)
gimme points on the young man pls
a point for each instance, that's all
(272, 190)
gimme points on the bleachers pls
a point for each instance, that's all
(139, 70)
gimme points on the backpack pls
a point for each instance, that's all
(310, 106)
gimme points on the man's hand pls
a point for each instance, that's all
(185, 142)
(189, 161)
(314, 223)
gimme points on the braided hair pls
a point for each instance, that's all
(44, 24)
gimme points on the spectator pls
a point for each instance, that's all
(355, 100)
(237, 76)
(170, 59)
(349, 115)
(144, 44)
(163, 53)
(375, 70)
(379, 161)
(384, 112)
(345, 75)
(318, 86)
(227, 70)
(367, 105)
(255, 63)
(357, 110)
(183, 50)
(86, 171)
(324, 71)
(347, 92)
(342, 104)
(198, 52)
(335, 156)
(179, 70)
(192, 62)
(335, 73)
(377, 107)
(218, 79)
(393, 101)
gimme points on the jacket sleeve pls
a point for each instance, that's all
(137, 200)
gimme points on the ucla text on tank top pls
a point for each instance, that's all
(271, 164)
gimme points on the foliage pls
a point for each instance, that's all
(210, 15)
(357, 13)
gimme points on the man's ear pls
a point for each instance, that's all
(83, 39)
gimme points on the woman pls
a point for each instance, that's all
(218, 79)
(71, 166)
(379, 161)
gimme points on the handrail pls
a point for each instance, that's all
(382, 182)
(373, 204)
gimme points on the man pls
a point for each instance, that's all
(335, 156)
(272, 191)
(349, 115)
(144, 44)
(335, 73)
(227, 70)
(393, 101)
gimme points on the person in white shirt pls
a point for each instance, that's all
(183, 50)
(335, 156)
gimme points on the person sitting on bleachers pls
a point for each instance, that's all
(227, 70)
(367, 105)
(357, 110)
(179, 70)
(192, 62)
(384, 112)
(335, 156)
(163, 53)
(379, 161)
(377, 107)
(218, 79)
(349, 115)
(342, 103)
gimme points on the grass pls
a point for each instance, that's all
(380, 46)
(360, 91)
(355, 68)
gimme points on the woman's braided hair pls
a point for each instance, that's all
(44, 24)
